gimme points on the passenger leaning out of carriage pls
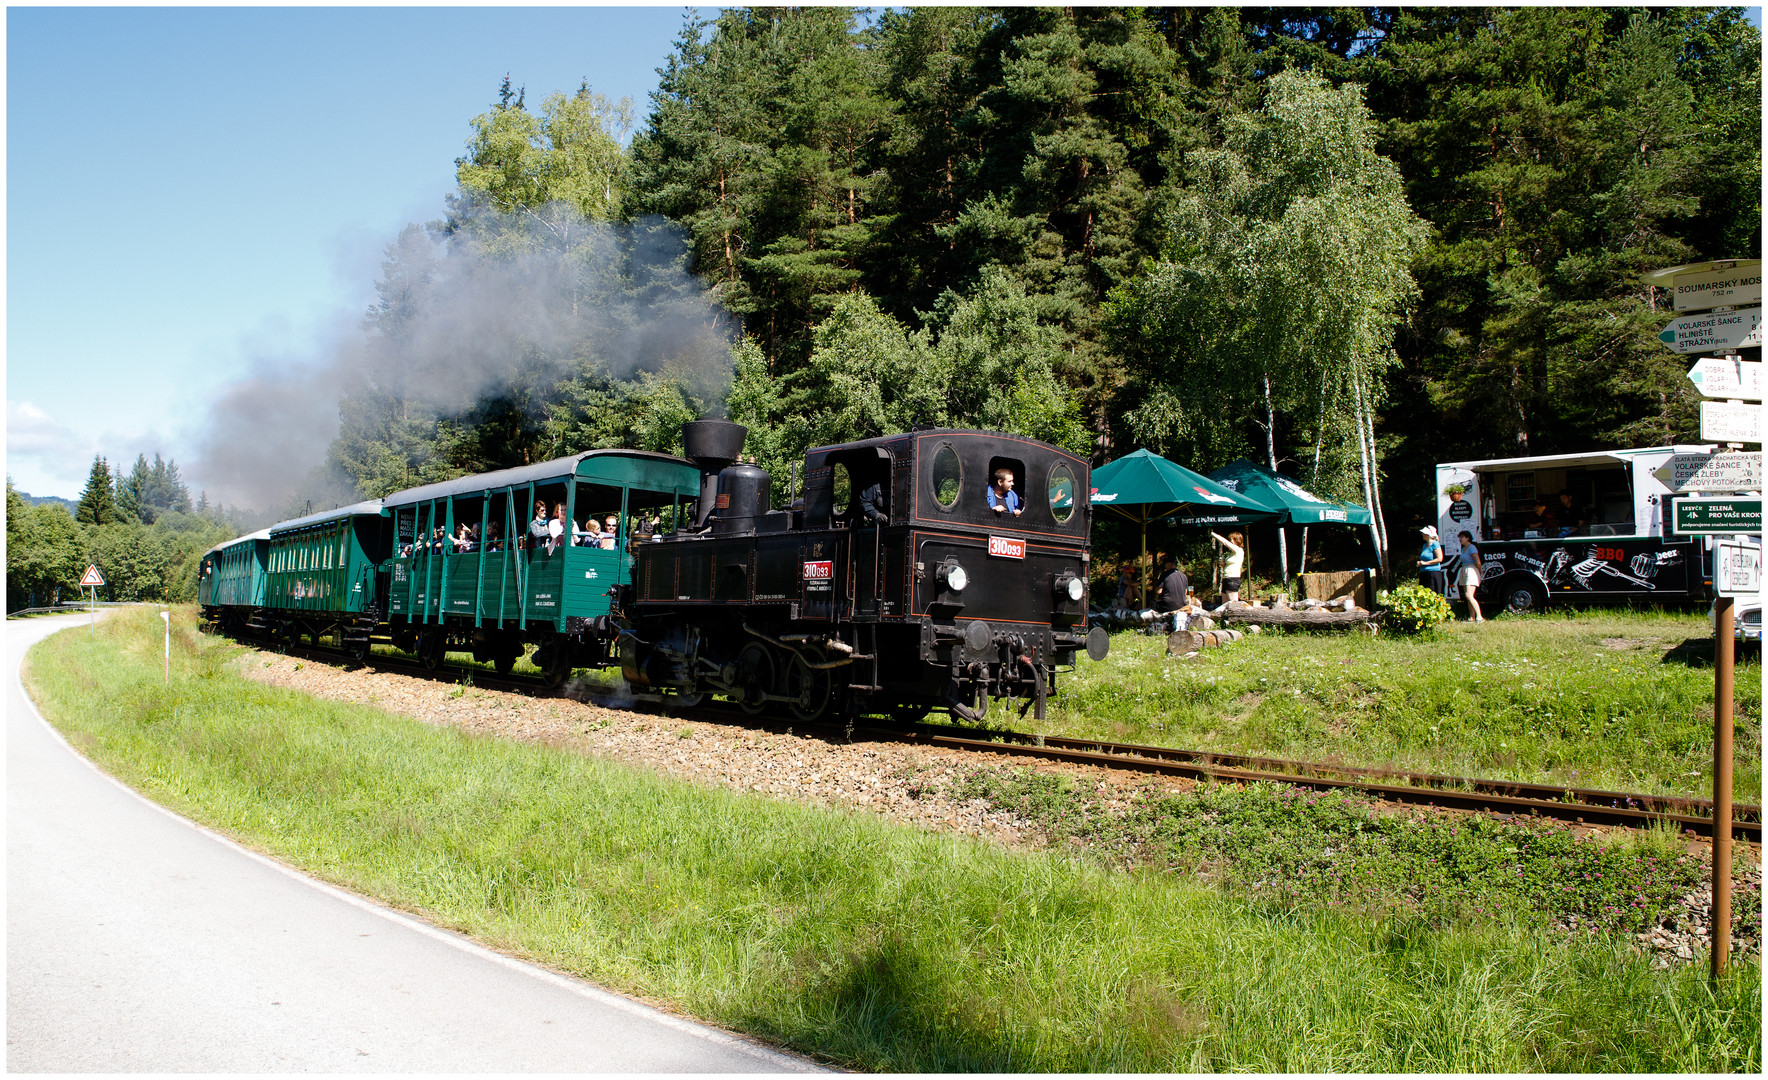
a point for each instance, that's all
(1002, 499)
(538, 529)
(555, 529)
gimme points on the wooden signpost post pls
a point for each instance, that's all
(1728, 294)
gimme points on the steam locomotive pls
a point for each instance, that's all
(892, 586)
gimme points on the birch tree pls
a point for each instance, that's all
(1281, 279)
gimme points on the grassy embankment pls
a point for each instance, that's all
(862, 942)
(1596, 699)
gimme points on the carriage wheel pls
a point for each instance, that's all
(431, 646)
(357, 650)
(757, 675)
(555, 664)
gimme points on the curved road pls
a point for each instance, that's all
(139, 942)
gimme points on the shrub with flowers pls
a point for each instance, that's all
(1413, 609)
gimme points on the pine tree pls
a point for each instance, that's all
(98, 504)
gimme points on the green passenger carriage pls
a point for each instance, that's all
(468, 570)
(320, 578)
(231, 577)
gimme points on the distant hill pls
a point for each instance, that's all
(38, 500)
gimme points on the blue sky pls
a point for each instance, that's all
(195, 191)
(194, 194)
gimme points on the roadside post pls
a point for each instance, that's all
(167, 617)
(1724, 302)
(91, 582)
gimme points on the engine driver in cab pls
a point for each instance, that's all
(1002, 498)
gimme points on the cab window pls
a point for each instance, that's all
(948, 476)
(1061, 491)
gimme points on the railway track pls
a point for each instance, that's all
(1506, 798)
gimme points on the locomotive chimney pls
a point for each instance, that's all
(712, 445)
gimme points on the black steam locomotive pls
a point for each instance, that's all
(896, 584)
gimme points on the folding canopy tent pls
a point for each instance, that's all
(1292, 503)
(1298, 505)
(1155, 487)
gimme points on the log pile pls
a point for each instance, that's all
(1305, 618)
(1184, 641)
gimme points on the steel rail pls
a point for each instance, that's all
(1505, 797)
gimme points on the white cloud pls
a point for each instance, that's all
(44, 455)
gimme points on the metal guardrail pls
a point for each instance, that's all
(69, 608)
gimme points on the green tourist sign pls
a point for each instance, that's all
(1725, 517)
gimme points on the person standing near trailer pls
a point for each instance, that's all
(1430, 562)
(1467, 575)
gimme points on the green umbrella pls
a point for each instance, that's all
(1143, 486)
(1298, 505)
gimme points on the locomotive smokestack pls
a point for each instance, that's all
(712, 445)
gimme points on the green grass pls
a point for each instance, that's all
(1294, 848)
(864, 943)
(1596, 699)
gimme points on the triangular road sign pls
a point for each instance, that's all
(92, 577)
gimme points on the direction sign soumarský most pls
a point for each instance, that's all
(1720, 283)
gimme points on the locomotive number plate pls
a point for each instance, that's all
(821, 570)
(1006, 547)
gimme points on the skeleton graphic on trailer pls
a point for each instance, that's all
(1560, 570)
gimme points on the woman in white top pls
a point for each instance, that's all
(555, 529)
(1236, 545)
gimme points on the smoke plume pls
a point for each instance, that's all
(469, 309)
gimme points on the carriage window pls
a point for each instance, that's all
(948, 477)
(1061, 493)
(843, 490)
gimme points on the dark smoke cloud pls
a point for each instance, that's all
(505, 300)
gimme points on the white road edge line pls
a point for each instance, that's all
(575, 986)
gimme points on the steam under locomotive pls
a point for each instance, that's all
(892, 586)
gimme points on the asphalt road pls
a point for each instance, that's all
(140, 942)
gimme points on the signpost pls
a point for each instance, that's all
(1731, 421)
(1712, 472)
(1706, 516)
(1712, 331)
(1726, 378)
(1725, 283)
(92, 580)
(1737, 569)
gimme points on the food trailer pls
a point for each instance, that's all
(1590, 527)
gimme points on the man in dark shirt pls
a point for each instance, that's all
(1173, 587)
(874, 505)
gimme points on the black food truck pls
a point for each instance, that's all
(1591, 527)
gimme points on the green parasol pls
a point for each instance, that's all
(1298, 505)
(1143, 486)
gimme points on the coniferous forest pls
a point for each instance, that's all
(1341, 240)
